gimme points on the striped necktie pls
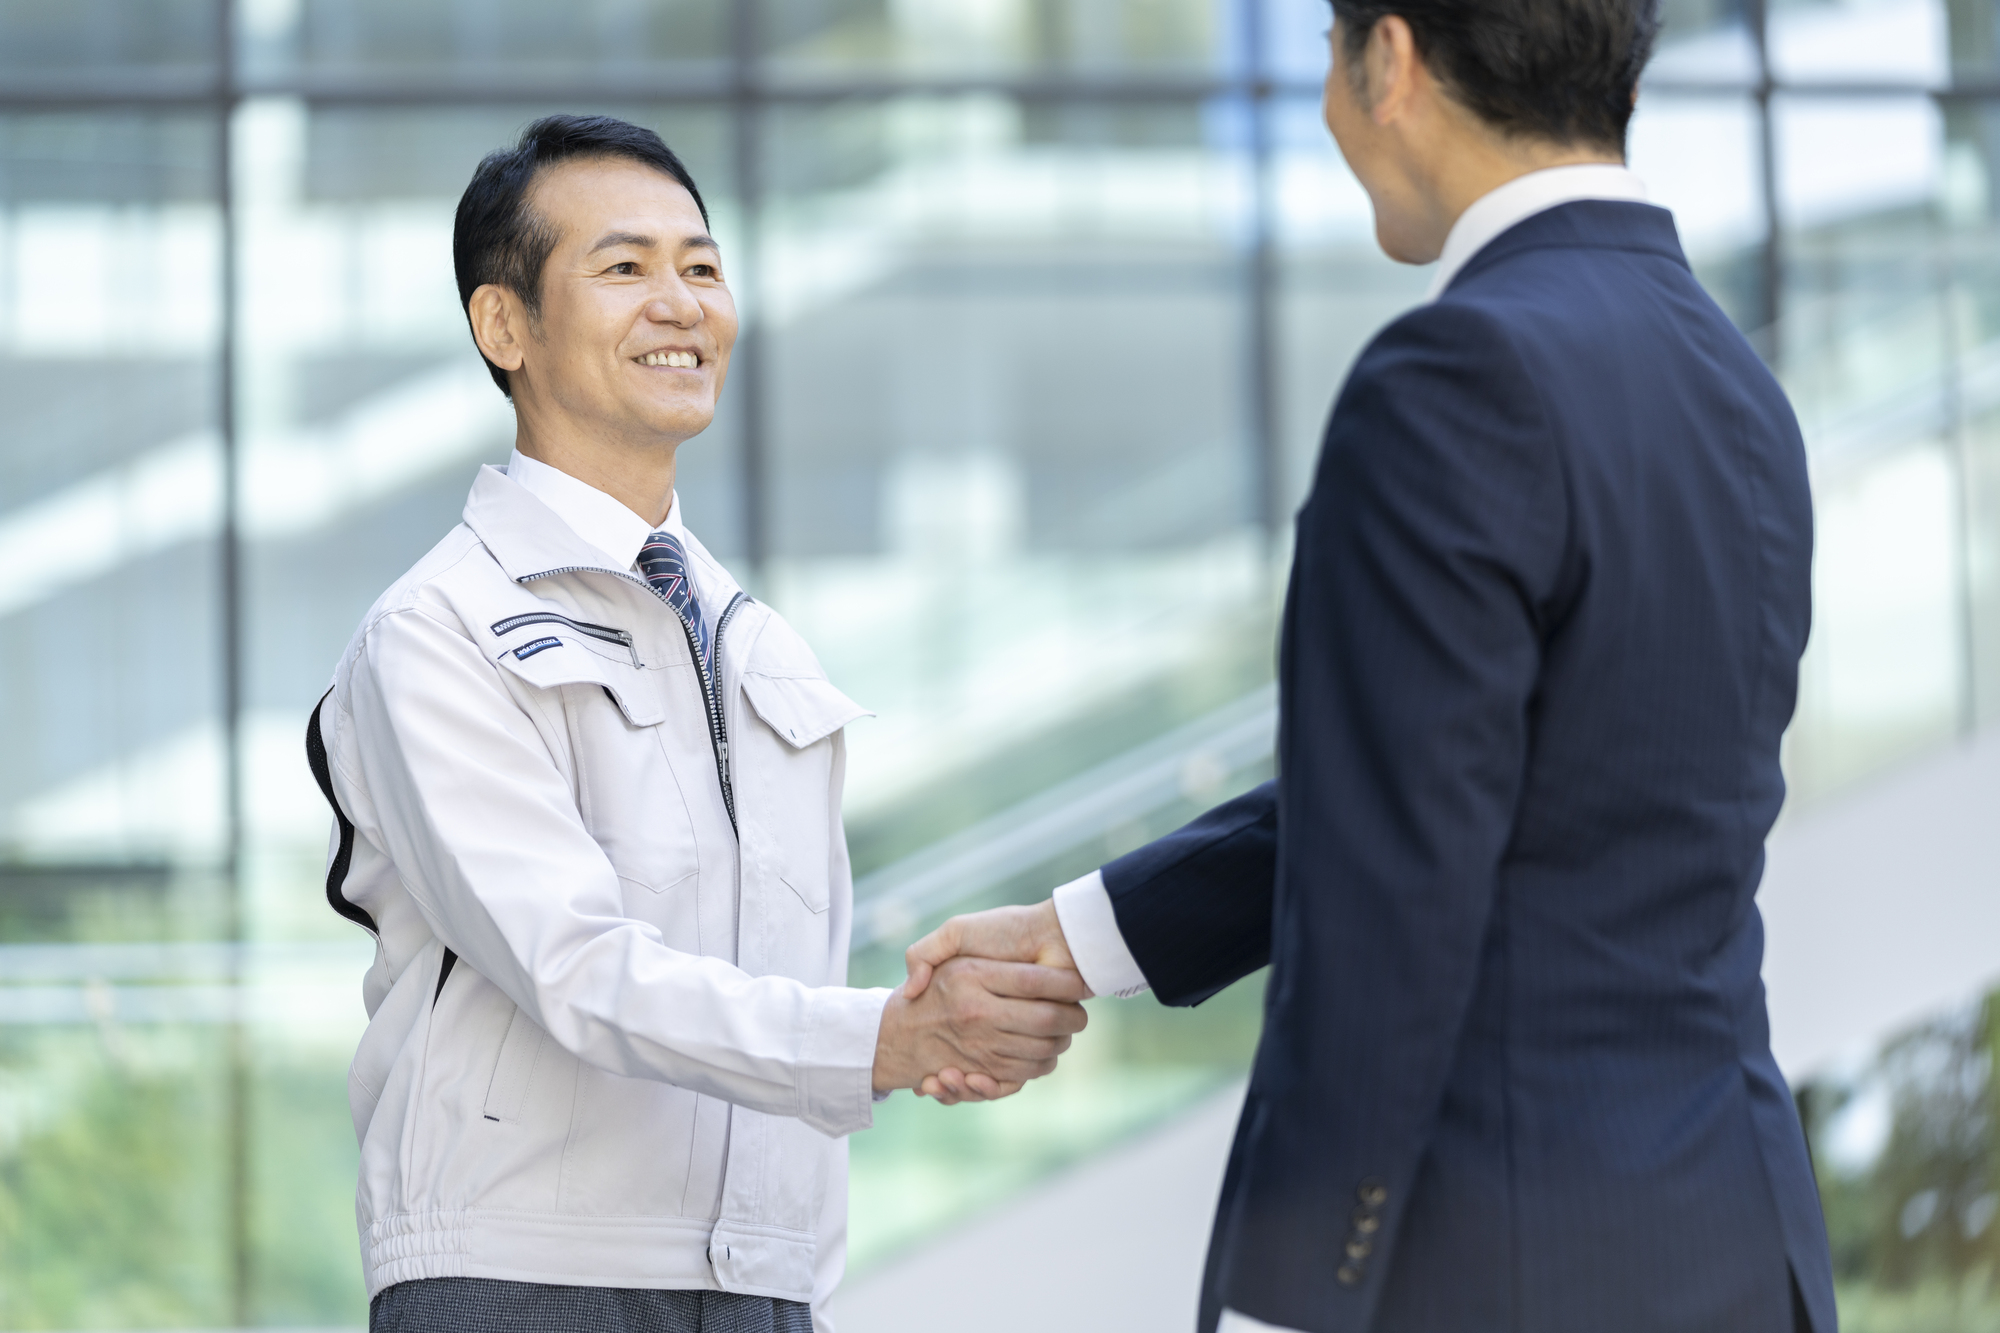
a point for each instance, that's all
(665, 567)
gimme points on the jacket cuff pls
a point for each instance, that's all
(837, 1059)
(1090, 928)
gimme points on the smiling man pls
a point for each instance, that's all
(588, 801)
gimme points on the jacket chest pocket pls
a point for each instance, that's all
(792, 756)
(627, 789)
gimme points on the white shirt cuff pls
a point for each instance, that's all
(1090, 927)
(1232, 1322)
(1245, 1323)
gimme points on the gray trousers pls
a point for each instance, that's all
(480, 1305)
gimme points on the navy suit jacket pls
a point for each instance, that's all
(1541, 642)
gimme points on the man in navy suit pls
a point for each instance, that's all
(1541, 642)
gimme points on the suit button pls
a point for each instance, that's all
(1373, 1194)
(1357, 1250)
(1347, 1275)
(1366, 1222)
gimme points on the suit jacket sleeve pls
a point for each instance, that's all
(1195, 906)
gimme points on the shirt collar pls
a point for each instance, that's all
(1520, 199)
(591, 514)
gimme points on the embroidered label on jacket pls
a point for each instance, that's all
(528, 650)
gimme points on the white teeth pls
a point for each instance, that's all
(678, 360)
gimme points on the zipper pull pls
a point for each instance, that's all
(722, 748)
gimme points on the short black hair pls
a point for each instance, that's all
(497, 238)
(1559, 70)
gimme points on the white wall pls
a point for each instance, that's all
(1882, 906)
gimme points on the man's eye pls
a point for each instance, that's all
(628, 268)
(701, 270)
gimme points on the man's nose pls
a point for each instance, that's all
(674, 304)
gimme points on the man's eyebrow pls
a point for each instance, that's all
(613, 238)
(617, 238)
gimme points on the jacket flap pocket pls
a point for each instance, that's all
(514, 1071)
(801, 709)
(549, 660)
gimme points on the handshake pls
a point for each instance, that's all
(992, 999)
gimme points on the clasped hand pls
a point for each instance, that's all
(992, 999)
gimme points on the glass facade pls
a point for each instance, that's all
(1045, 305)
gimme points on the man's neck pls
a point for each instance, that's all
(1461, 173)
(640, 479)
(1469, 182)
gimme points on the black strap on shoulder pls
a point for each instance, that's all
(336, 874)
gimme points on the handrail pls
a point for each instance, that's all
(1191, 760)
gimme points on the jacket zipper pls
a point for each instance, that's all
(604, 632)
(718, 730)
(718, 734)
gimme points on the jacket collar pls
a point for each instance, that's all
(1599, 224)
(527, 538)
(525, 535)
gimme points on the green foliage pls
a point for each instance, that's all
(1916, 1233)
(111, 1211)
(113, 1197)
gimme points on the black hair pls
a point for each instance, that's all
(1559, 70)
(496, 237)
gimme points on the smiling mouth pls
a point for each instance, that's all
(675, 360)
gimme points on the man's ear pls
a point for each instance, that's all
(1392, 68)
(499, 325)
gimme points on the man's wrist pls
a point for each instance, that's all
(885, 1077)
(1089, 927)
(836, 1057)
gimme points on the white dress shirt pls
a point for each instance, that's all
(1520, 199)
(1084, 906)
(605, 522)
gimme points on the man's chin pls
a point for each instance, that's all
(674, 419)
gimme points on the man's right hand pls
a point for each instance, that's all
(1002, 1023)
(1031, 934)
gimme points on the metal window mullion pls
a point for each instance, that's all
(746, 120)
(1771, 266)
(230, 571)
(1266, 437)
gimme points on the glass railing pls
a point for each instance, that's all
(1137, 1064)
(1900, 402)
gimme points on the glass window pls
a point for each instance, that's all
(162, 43)
(1906, 42)
(1011, 506)
(1700, 157)
(1704, 41)
(1335, 287)
(1008, 414)
(486, 40)
(113, 818)
(1889, 324)
(950, 37)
